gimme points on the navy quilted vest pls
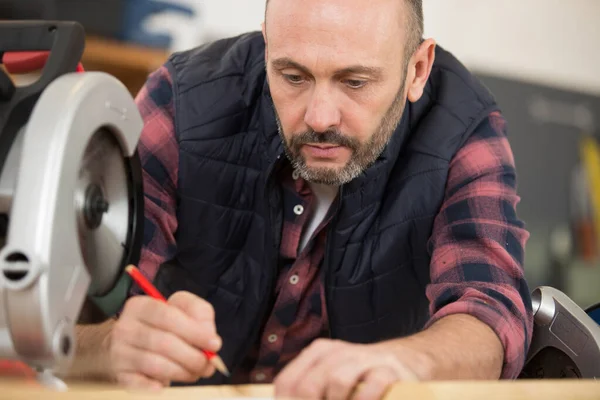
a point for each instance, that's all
(376, 265)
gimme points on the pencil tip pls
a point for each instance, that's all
(220, 365)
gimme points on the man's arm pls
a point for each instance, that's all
(158, 152)
(91, 360)
(482, 319)
(480, 304)
(458, 346)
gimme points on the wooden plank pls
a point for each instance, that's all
(457, 390)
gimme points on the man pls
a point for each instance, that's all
(329, 203)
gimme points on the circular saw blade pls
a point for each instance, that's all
(103, 210)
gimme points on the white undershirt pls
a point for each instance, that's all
(324, 194)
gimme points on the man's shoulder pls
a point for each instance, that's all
(456, 88)
(230, 57)
(454, 104)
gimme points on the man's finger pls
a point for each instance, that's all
(316, 379)
(137, 381)
(199, 333)
(153, 366)
(192, 305)
(167, 345)
(209, 370)
(375, 383)
(344, 379)
(288, 380)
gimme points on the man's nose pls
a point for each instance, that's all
(322, 112)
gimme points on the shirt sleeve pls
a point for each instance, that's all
(159, 156)
(478, 242)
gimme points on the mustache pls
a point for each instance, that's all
(331, 136)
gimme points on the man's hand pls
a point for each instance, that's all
(153, 343)
(333, 369)
(338, 370)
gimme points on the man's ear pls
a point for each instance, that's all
(419, 69)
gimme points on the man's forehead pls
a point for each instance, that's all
(384, 14)
(361, 4)
(345, 26)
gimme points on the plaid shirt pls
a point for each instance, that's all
(298, 315)
(477, 242)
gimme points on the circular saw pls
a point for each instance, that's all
(71, 198)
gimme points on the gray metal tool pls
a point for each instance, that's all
(70, 195)
(566, 340)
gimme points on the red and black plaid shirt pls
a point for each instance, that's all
(299, 315)
(477, 240)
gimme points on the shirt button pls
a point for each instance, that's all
(295, 175)
(298, 210)
(294, 279)
(272, 338)
(260, 377)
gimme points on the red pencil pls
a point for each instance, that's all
(150, 290)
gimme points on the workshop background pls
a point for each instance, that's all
(539, 57)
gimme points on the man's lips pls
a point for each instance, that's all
(321, 150)
(323, 146)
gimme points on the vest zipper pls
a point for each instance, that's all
(327, 263)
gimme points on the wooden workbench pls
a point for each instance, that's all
(515, 390)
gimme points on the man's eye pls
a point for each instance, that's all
(355, 83)
(294, 79)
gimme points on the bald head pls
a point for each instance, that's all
(411, 17)
(339, 74)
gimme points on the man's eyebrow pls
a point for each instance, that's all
(286, 62)
(373, 72)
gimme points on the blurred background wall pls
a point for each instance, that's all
(550, 42)
(539, 57)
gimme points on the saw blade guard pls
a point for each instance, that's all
(75, 217)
